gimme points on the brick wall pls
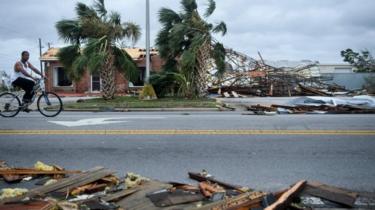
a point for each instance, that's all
(84, 85)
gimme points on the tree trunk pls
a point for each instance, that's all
(203, 60)
(107, 75)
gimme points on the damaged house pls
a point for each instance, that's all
(90, 84)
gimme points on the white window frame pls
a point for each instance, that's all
(55, 75)
(96, 91)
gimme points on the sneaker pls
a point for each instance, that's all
(27, 110)
(25, 107)
(6, 107)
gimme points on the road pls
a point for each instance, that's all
(261, 152)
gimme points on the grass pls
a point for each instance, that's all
(134, 102)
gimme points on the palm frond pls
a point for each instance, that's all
(125, 64)
(188, 61)
(210, 8)
(170, 65)
(189, 6)
(85, 11)
(177, 37)
(79, 67)
(69, 31)
(221, 27)
(95, 28)
(218, 54)
(68, 54)
(100, 8)
(169, 84)
(162, 43)
(115, 18)
(197, 41)
(96, 61)
(95, 45)
(168, 16)
(132, 31)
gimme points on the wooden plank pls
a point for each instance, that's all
(166, 198)
(338, 209)
(138, 200)
(10, 177)
(119, 195)
(287, 197)
(200, 178)
(331, 193)
(89, 178)
(70, 182)
(245, 200)
(15, 171)
(33, 205)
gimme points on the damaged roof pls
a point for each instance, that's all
(135, 53)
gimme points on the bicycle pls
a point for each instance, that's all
(49, 104)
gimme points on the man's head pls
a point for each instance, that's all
(25, 56)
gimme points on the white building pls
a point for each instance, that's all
(331, 68)
(344, 75)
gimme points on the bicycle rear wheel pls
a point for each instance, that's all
(9, 105)
(49, 104)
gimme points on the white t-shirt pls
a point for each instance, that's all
(26, 67)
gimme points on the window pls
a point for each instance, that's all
(95, 82)
(61, 79)
(140, 80)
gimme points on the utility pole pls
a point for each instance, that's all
(40, 55)
(147, 76)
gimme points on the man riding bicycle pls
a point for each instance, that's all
(22, 78)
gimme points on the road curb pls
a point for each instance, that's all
(144, 110)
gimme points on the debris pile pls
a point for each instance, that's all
(248, 76)
(99, 188)
(319, 105)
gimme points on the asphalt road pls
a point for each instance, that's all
(262, 152)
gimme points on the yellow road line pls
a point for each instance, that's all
(188, 132)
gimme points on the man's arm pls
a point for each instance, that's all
(35, 69)
(18, 67)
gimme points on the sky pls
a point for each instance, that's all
(279, 29)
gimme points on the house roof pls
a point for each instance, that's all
(135, 53)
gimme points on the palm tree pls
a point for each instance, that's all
(94, 38)
(186, 43)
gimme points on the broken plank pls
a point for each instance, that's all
(337, 209)
(287, 197)
(247, 200)
(67, 183)
(164, 198)
(33, 205)
(138, 200)
(33, 172)
(201, 178)
(119, 195)
(10, 177)
(331, 193)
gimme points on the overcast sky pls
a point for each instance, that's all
(279, 29)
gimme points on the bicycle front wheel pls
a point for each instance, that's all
(49, 104)
(9, 105)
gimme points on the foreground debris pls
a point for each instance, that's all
(99, 188)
